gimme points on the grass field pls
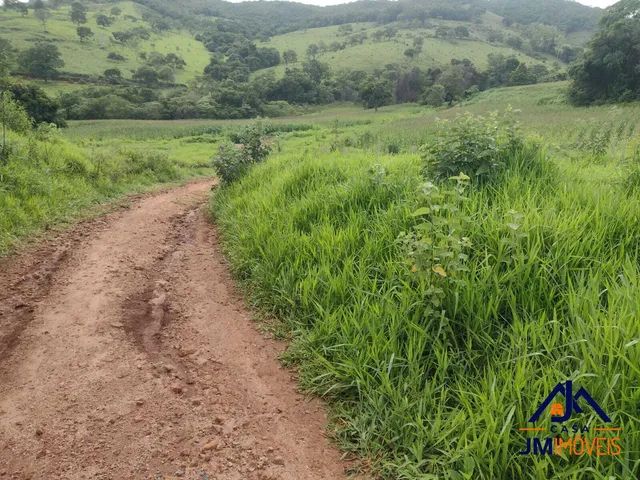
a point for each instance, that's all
(48, 180)
(436, 321)
(372, 54)
(90, 57)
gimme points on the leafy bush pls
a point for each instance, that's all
(478, 146)
(437, 248)
(234, 159)
(12, 115)
(230, 164)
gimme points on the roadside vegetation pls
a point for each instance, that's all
(436, 287)
(45, 179)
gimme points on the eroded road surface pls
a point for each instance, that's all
(126, 354)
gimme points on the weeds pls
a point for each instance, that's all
(478, 146)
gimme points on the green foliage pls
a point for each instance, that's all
(434, 96)
(46, 180)
(234, 159)
(516, 287)
(231, 163)
(12, 114)
(480, 147)
(7, 57)
(84, 33)
(78, 13)
(607, 72)
(375, 93)
(41, 61)
(103, 20)
(437, 248)
(38, 105)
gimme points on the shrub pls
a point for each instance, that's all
(233, 160)
(13, 115)
(478, 146)
(116, 57)
(253, 142)
(230, 164)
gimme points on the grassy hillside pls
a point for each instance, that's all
(372, 54)
(90, 57)
(436, 347)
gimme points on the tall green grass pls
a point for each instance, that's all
(550, 294)
(47, 180)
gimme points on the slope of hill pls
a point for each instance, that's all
(90, 57)
(341, 52)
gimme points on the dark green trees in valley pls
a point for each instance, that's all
(609, 70)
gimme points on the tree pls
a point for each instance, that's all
(316, 70)
(461, 32)
(289, 56)
(443, 32)
(84, 33)
(434, 96)
(166, 74)
(41, 61)
(40, 107)
(375, 93)
(115, 11)
(103, 20)
(500, 69)
(146, 75)
(12, 117)
(7, 57)
(78, 13)
(41, 12)
(608, 70)
(521, 76)
(411, 53)
(112, 75)
(313, 50)
(457, 78)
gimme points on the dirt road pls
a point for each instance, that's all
(126, 354)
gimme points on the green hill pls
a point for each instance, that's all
(204, 58)
(343, 52)
(90, 58)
